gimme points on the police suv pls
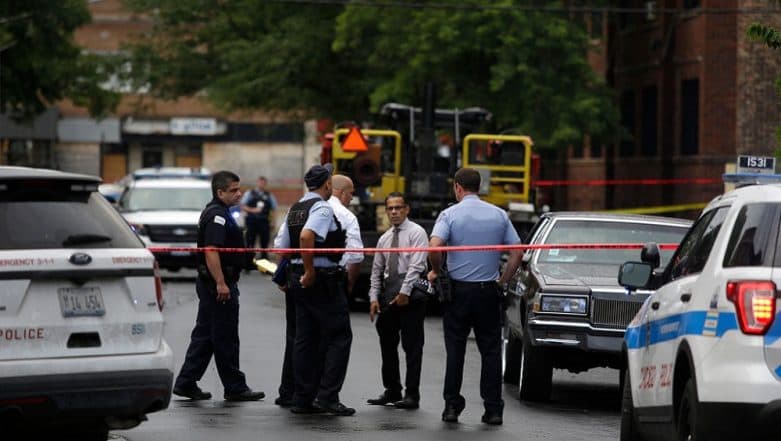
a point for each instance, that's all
(81, 329)
(704, 351)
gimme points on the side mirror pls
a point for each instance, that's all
(651, 255)
(635, 274)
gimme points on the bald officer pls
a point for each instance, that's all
(316, 284)
(476, 294)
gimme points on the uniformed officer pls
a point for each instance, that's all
(401, 317)
(317, 285)
(351, 262)
(216, 330)
(258, 204)
(476, 298)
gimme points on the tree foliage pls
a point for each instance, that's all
(344, 61)
(39, 62)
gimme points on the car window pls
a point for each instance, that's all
(600, 231)
(534, 233)
(62, 220)
(754, 235)
(167, 198)
(693, 252)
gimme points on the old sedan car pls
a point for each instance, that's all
(566, 309)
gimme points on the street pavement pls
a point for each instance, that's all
(583, 406)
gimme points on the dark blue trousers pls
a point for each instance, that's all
(474, 306)
(322, 342)
(257, 227)
(216, 332)
(287, 383)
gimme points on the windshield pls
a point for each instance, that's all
(155, 199)
(598, 232)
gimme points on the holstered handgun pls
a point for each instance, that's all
(444, 288)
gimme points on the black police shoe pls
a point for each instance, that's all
(306, 410)
(194, 393)
(451, 413)
(384, 398)
(409, 402)
(494, 419)
(336, 408)
(247, 395)
(283, 401)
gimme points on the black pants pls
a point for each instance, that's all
(403, 323)
(287, 382)
(474, 306)
(323, 340)
(216, 332)
(257, 227)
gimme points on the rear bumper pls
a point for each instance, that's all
(126, 386)
(127, 394)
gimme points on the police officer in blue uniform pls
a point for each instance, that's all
(476, 297)
(316, 287)
(216, 329)
(258, 204)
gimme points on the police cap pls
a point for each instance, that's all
(317, 175)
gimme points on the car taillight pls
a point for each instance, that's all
(158, 287)
(755, 302)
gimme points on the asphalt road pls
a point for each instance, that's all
(583, 406)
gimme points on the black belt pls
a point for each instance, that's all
(486, 284)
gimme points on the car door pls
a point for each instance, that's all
(665, 319)
(519, 286)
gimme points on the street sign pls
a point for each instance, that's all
(756, 164)
(354, 141)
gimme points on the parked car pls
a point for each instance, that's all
(81, 329)
(565, 307)
(164, 213)
(703, 353)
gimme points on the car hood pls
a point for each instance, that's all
(577, 274)
(163, 217)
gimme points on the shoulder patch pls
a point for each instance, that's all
(219, 220)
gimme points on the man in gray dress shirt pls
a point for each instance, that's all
(399, 317)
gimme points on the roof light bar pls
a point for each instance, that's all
(741, 179)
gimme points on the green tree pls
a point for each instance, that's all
(40, 64)
(772, 38)
(344, 61)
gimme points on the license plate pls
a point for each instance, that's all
(78, 302)
(180, 253)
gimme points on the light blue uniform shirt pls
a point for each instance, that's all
(474, 222)
(320, 221)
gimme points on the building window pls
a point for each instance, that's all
(690, 116)
(627, 145)
(650, 121)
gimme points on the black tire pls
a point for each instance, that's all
(687, 427)
(511, 355)
(629, 429)
(536, 373)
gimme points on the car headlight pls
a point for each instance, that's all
(564, 304)
(139, 229)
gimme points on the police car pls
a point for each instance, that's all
(704, 351)
(81, 329)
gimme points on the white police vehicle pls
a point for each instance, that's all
(81, 329)
(704, 351)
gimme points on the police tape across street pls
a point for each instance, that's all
(465, 248)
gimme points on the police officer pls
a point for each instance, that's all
(392, 278)
(476, 296)
(316, 284)
(258, 204)
(216, 329)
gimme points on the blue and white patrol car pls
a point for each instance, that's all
(704, 351)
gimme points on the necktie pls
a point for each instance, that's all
(393, 259)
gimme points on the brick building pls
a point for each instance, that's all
(692, 93)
